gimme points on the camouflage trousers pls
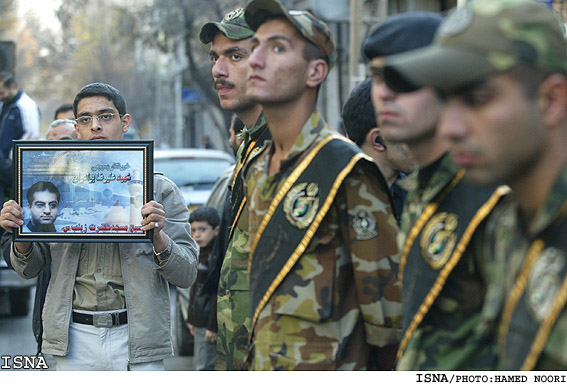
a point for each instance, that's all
(460, 344)
(233, 317)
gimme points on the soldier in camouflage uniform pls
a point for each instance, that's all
(323, 256)
(229, 52)
(443, 288)
(503, 66)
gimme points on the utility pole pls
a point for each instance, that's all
(355, 43)
(354, 55)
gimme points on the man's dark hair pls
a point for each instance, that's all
(101, 90)
(358, 113)
(312, 51)
(530, 77)
(237, 124)
(205, 214)
(41, 186)
(63, 108)
(7, 79)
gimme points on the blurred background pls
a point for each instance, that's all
(149, 49)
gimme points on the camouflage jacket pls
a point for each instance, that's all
(341, 296)
(443, 288)
(530, 272)
(233, 301)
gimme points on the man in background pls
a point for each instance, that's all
(393, 159)
(61, 129)
(222, 203)
(64, 111)
(236, 126)
(19, 120)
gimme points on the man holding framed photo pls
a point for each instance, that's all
(108, 306)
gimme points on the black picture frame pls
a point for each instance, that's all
(101, 184)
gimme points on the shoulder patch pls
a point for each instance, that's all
(364, 226)
(544, 282)
(456, 22)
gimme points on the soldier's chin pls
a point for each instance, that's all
(480, 178)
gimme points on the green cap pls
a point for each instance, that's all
(480, 39)
(314, 30)
(233, 26)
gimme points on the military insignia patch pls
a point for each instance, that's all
(364, 226)
(301, 204)
(233, 14)
(544, 282)
(438, 239)
(456, 22)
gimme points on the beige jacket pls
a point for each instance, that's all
(145, 283)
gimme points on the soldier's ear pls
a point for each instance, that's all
(317, 71)
(553, 100)
(374, 139)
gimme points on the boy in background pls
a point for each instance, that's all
(203, 306)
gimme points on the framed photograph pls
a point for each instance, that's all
(83, 191)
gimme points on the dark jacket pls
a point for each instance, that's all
(203, 306)
(220, 245)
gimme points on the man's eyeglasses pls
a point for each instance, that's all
(102, 118)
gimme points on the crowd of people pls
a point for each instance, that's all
(429, 239)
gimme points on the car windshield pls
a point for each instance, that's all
(187, 171)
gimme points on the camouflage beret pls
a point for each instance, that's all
(314, 30)
(480, 39)
(233, 26)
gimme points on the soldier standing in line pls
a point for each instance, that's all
(230, 49)
(393, 159)
(503, 67)
(323, 256)
(443, 288)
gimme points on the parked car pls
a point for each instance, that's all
(195, 171)
(219, 192)
(18, 289)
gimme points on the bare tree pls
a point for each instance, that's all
(99, 44)
(7, 14)
(168, 20)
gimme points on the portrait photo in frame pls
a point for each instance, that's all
(83, 191)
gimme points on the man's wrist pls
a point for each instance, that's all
(161, 257)
(22, 254)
